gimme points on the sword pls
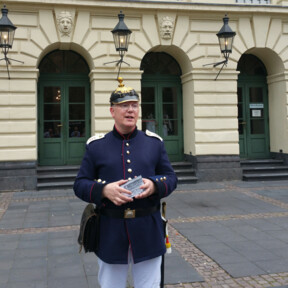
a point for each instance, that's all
(163, 256)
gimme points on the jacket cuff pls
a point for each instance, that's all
(96, 192)
(161, 186)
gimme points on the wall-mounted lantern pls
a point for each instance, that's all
(121, 34)
(225, 37)
(7, 31)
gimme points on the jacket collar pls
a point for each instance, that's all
(125, 136)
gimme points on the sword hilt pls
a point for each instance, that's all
(164, 209)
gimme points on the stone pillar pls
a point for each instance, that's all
(211, 124)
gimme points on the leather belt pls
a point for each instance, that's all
(129, 213)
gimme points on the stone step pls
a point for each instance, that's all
(261, 162)
(187, 179)
(265, 176)
(55, 185)
(63, 177)
(184, 172)
(56, 177)
(264, 170)
(52, 170)
(181, 165)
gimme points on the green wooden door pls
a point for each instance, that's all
(64, 121)
(253, 118)
(162, 112)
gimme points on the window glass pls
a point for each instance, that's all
(148, 109)
(77, 112)
(251, 65)
(160, 63)
(169, 100)
(62, 61)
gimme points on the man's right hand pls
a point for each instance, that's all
(116, 194)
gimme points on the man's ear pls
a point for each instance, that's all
(112, 111)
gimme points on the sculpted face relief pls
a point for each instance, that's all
(166, 27)
(65, 23)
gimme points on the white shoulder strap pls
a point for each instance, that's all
(95, 137)
(152, 134)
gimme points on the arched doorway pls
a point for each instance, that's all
(63, 108)
(162, 101)
(253, 110)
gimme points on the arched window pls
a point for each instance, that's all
(160, 63)
(251, 65)
(161, 101)
(64, 61)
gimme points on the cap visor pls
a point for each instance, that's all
(126, 99)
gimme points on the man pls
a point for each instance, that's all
(131, 229)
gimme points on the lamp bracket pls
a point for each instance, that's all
(7, 60)
(224, 62)
(118, 63)
(217, 63)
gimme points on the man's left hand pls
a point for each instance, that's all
(148, 187)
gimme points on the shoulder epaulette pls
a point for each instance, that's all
(97, 136)
(152, 134)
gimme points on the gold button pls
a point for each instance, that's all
(164, 178)
(157, 180)
(128, 161)
(99, 180)
(161, 179)
(129, 178)
(128, 152)
(127, 144)
(103, 182)
(130, 170)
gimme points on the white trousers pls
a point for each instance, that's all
(146, 274)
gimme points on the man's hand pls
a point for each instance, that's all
(148, 187)
(116, 194)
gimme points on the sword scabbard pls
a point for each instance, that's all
(164, 209)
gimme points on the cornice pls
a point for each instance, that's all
(150, 5)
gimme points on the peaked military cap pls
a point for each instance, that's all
(123, 94)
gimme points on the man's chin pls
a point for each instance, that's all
(130, 123)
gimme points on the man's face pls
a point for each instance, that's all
(125, 116)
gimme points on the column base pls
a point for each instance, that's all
(211, 168)
(18, 176)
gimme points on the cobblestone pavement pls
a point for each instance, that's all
(245, 222)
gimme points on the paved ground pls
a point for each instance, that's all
(228, 235)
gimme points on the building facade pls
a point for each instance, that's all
(59, 96)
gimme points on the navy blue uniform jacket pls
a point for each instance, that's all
(116, 157)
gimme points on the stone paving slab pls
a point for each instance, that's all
(40, 257)
(224, 235)
(211, 203)
(242, 249)
(30, 260)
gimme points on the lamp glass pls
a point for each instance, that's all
(7, 30)
(121, 40)
(226, 36)
(226, 44)
(6, 37)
